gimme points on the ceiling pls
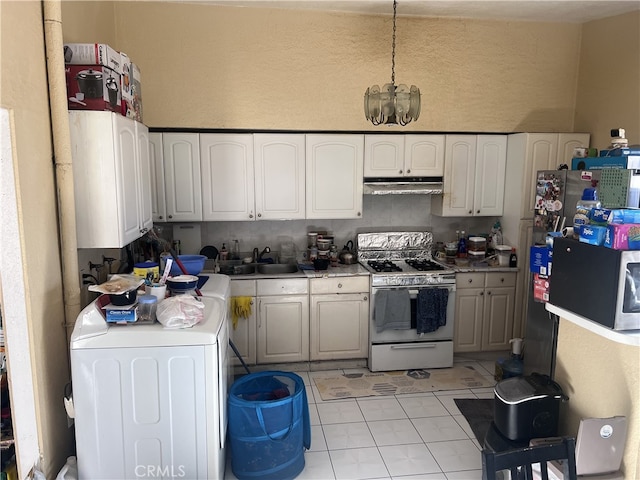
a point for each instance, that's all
(572, 11)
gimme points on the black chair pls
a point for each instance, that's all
(519, 461)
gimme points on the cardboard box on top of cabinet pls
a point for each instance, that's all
(131, 89)
(540, 259)
(93, 87)
(92, 54)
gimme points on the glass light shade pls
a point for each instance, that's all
(392, 105)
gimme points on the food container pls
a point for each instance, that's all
(323, 244)
(127, 298)
(312, 238)
(527, 407)
(182, 284)
(504, 252)
(476, 244)
(475, 256)
(147, 305)
(321, 263)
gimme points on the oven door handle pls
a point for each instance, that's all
(408, 346)
(414, 292)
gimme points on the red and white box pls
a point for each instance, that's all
(540, 288)
(93, 87)
(93, 54)
(131, 89)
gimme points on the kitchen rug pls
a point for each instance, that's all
(372, 384)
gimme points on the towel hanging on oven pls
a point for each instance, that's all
(392, 310)
(431, 310)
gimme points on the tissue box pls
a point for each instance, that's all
(540, 259)
(592, 234)
(623, 236)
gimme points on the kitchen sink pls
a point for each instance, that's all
(272, 268)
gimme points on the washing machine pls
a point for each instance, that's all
(150, 402)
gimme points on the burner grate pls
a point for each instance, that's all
(384, 266)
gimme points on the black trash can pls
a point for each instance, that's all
(269, 427)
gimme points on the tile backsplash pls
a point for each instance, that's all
(380, 213)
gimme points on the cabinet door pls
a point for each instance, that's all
(156, 163)
(467, 335)
(227, 176)
(424, 155)
(567, 142)
(339, 326)
(279, 176)
(334, 175)
(145, 219)
(459, 177)
(129, 174)
(283, 329)
(244, 337)
(181, 154)
(384, 155)
(541, 154)
(491, 162)
(497, 327)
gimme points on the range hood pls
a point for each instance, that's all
(403, 186)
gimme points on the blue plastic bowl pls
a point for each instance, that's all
(193, 263)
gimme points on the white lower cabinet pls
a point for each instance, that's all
(244, 333)
(484, 311)
(339, 318)
(283, 320)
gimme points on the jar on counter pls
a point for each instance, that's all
(147, 305)
(333, 255)
(313, 253)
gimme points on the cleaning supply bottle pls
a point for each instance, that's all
(496, 234)
(236, 250)
(224, 253)
(582, 216)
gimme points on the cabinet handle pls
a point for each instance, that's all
(359, 214)
(400, 172)
(470, 280)
(250, 215)
(160, 217)
(259, 215)
(478, 211)
(409, 171)
(170, 216)
(366, 298)
(502, 280)
(470, 212)
(481, 294)
(489, 293)
(339, 285)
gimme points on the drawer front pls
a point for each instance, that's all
(243, 288)
(283, 286)
(501, 279)
(355, 284)
(409, 356)
(469, 280)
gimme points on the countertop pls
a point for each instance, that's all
(626, 337)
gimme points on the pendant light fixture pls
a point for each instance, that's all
(393, 105)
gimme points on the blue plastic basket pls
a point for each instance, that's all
(269, 427)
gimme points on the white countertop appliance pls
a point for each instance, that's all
(401, 266)
(149, 401)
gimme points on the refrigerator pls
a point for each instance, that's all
(557, 192)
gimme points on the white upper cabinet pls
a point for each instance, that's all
(158, 205)
(334, 175)
(474, 176)
(404, 155)
(111, 179)
(279, 162)
(183, 194)
(227, 176)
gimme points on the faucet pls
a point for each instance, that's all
(258, 256)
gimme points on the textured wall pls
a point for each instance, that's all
(601, 379)
(224, 67)
(609, 82)
(24, 91)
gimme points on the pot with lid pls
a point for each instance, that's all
(347, 256)
(90, 83)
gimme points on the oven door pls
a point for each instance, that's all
(394, 336)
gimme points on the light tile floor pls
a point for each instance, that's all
(409, 437)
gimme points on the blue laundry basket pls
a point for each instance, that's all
(269, 427)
